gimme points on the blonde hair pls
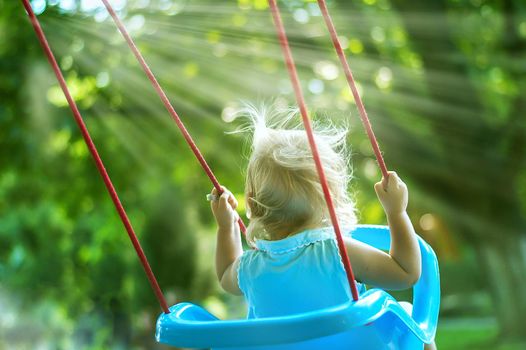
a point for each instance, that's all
(283, 191)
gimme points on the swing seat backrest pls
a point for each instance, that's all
(376, 321)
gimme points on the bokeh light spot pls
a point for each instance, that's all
(229, 114)
(301, 16)
(260, 4)
(67, 5)
(355, 46)
(142, 4)
(378, 34)
(326, 69)
(101, 16)
(427, 222)
(316, 86)
(91, 5)
(38, 6)
(244, 4)
(213, 36)
(66, 62)
(522, 29)
(239, 20)
(384, 78)
(59, 140)
(370, 169)
(191, 69)
(344, 42)
(103, 79)
(77, 45)
(135, 23)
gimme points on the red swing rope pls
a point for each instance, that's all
(94, 153)
(315, 154)
(167, 104)
(352, 84)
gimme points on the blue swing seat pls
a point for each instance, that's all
(376, 321)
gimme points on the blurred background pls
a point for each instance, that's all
(444, 83)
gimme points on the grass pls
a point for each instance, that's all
(478, 334)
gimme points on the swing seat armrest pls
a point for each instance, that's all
(426, 292)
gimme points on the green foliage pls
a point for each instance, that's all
(443, 82)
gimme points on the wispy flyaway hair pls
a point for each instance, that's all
(283, 191)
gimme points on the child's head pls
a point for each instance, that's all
(283, 191)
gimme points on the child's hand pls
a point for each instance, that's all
(392, 194)
(223, 208)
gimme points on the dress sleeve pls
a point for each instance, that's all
(241, 273)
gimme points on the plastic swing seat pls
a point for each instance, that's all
(375, 321)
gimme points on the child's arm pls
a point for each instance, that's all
(400, 268)
(229, 247)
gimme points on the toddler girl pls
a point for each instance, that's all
(295, 266)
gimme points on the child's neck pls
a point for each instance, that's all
(288, 232)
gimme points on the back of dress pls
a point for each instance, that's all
(297, 274)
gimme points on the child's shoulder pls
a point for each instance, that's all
(293, 242)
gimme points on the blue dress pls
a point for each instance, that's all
(300, 273)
